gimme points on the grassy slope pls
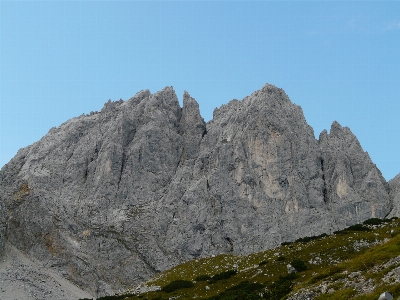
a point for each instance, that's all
(346, 265)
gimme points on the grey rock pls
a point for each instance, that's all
(385, 296)
(290, 269)
(355, 189)
(111, 198)
(394, 185)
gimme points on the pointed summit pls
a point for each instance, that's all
(192, 125)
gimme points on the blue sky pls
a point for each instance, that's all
(337, 60)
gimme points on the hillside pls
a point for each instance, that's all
(360, 262)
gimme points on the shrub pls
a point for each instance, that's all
(280, 288)
(280, 258)
(247, 286)
(286, 243)
(373, 221)
(223, 275)
(176, 285)
(307, 239)
(358, 227)
(299, 265)
(202, 278)
(262, 263)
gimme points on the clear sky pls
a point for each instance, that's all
(337, 60)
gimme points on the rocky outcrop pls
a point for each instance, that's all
(114, 197)
(23, 278)
(354, 188)
(394, 186)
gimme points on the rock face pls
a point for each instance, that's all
(394, 186)
(354, 187)
(111, 198)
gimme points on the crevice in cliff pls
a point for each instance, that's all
(204, 132)
(123, 159)
(147, 263)
(230, 242)
(324, 191)
(126, 142)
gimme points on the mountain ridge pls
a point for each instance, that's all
(144, 185)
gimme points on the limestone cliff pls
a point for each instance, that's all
(354, 187)
(113, 197)
(394, 186)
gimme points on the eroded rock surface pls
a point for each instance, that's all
(114, 197)
(355, 189)
(394, 186)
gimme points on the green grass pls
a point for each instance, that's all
(323, 260)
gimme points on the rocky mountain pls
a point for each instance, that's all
(116, 196)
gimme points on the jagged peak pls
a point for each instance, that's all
(166, 98)
(336, 127)
(168, 90)
(141, 94)
(189, 101)
(190, 111)
(395, 181)
(339, 130)
(270, 87)
(323, 135)
(269, 94)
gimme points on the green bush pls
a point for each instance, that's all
(307, 239)
(280, 288)
(340, 232)
(202, 278)
(286, 243)
(223, 275)
(280, 258)
(176, 285)
(373, 221)
(299, 265)
(358, 227)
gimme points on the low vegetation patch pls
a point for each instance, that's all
(299, 265)
(356, 227)
(222, 276)
(203, 278)
(242, 291)
(277, 290)
(329, 267)
(307, 239)
(176, 285)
